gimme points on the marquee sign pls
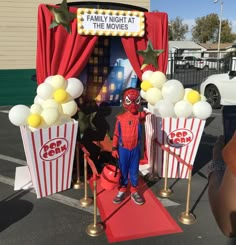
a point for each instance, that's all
(110, 22)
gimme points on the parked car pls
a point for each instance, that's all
(220, 89)
(209, 63)
(185, 62)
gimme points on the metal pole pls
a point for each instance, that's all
(95, 201)
(78, 184)
(220, 25)
(85, 201)
(166, 192)
(95, 229)
(186, 217)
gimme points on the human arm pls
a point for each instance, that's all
(142, 116)
(115, 141)
(222, 185)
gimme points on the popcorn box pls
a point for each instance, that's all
(50, 156)
(179, 138)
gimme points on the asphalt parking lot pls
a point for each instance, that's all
(59, 219)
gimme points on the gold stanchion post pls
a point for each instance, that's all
(152, 176)
(166, 192)
(78, 183)
(85, 201)
(95, 229)
(186, 217)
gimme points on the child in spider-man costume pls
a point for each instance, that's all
(126, 145)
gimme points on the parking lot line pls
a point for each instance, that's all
(12, 159)
(62, 198)
(55, 197)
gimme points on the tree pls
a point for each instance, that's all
(226, 32)
(177, 29)
(207, 29)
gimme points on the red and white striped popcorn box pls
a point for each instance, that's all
(50, 156)
(179, 138)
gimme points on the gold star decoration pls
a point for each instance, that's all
(61, 16)
(150, 55)
(105, 144)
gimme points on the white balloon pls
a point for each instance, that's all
(51, 103)
(69, 108)
(183, 109)
(157, 79)
(143, 94)
(58, 81)
(48, 80)
(150, 108)
(18, 115)
(164, 108)
(146, 75)
(173, 90)
(45, 91)
(202, 110)
(203, 97)
(38, 100)
(75, 87)
(50, 116)
(153, 95)
(36, 108)
(63, 119)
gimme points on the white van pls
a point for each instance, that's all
(208, 64)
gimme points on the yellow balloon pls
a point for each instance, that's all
(193, 96)
(145, 85)
(60, 95)
(34, 120)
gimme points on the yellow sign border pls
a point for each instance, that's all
(138, 15)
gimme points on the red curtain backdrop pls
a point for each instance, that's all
(60, 52)
(157, 32)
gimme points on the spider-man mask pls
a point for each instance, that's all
(131, 100)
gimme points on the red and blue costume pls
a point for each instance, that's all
(127, 140)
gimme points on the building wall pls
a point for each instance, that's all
(18, 27)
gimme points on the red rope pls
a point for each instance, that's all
(167, 149)
(89, 161)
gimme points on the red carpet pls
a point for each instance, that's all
(128, 221)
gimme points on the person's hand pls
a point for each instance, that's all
(115, 154)
(217, 149)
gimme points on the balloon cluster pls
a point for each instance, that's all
(54, 104)
(168, 98)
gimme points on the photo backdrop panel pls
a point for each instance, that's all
(50, 156)
(178, 136)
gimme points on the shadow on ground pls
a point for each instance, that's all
(12, 209)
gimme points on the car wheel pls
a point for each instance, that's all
(213, 97)
(206, 68)
(187, 66)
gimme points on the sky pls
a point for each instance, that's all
(189, 10)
